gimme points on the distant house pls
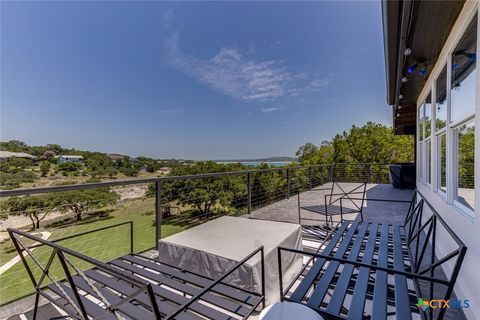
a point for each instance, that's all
(113, 157)
(69, 158)
(7, 155)
(164, 170)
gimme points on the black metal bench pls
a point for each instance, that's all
(338, 195)
(371, 270)
(132, 286)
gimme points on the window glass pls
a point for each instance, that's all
(441, 111)
(465, 139)
(421, 114)
(428, 158)
(420, 160)
(442, 162)
(428, 116)
(463, 74)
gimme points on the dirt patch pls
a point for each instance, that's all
(131, 192)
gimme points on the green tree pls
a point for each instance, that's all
(14, 146)
(204, 193)
(306, 151)
(81, 201)
(69, 168)
(45, 168)
(14, 180)
(371, 143)
(14, 165)
(36, 208)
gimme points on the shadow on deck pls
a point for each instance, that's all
(312, 205)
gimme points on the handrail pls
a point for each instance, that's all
(101, 265)
(366, 265)
(29, 191)
(88, 232)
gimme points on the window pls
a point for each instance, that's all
(428, 159)
(442, 162)
(427, 118)
(424, 139)
(462, 117)
(465, 146)
(421, 114)
(441, 103)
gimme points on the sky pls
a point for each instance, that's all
(193, 80)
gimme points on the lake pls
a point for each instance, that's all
(257, 163)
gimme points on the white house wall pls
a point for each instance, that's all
(467, 227)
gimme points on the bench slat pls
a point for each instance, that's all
(402, 302)
(360, 290)
(307, 281)
(91, 308)
(126, 289)
(199, 281)
(329, 274)
(341, 288)
(127, 308)
(174, 284)
(379, 310)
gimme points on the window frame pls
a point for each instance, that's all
(451, 152)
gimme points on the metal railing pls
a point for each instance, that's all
(65, 255)
(239, 192)
(248, 189)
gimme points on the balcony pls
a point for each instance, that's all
(130, 246)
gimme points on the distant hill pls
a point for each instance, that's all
(270, 159)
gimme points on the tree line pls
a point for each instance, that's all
(372, 143)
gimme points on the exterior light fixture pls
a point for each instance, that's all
(412, 68)
(407, 51)
(423, 70)
(404, 79)
(399, 107)
(398, 115)
(400, 96)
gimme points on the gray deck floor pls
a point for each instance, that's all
(312, 212)
(312, 205)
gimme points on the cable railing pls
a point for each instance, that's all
(175, 203)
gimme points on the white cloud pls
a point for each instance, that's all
(271, 109)
(232, 73)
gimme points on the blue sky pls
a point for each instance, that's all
(217, 80)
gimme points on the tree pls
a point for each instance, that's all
(371, 143)
(34, 207)
(45, 168)
(306, 151)
(81, 201)
(14, 146)
(204, 193)
(14, 180)
(69, 168)
(14, 165)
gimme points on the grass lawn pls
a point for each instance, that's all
(103, 245)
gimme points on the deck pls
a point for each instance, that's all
(311, 213)
(312, 205)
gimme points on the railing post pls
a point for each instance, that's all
(131, 236)
(298, 204)
(158, 212)
(249, 182)
(288, 183)
(310, 177)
